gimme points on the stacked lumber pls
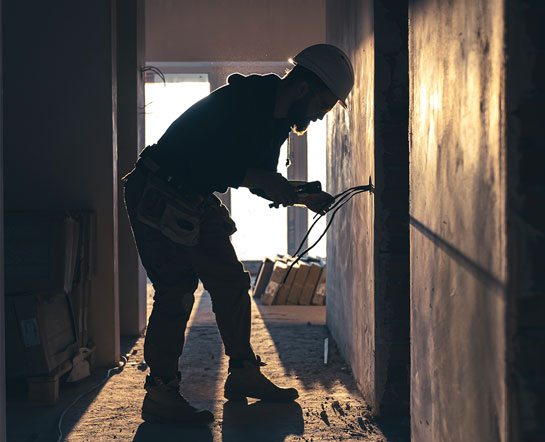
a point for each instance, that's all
(304, 284)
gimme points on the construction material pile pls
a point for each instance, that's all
(49, 265)
(304, 285)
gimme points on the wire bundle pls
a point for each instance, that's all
(340, 200)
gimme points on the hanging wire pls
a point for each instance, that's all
(157, 71)
(340, 200)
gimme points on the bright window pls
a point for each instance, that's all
(262, 231)
(166, 102)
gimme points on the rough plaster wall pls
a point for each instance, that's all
(60, 134)
(350, 245)
(525, 101)
(130, 139)
(458, 264)
(232, 30)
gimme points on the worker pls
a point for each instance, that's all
(231, 138)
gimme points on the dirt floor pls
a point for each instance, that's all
(290, 339)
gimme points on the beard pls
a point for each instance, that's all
(298, 114)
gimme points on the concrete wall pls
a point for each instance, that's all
(458, 228)
(391, 107)
(525, 101)
(60, 148)
(368, 244)
(241, 30)
(350, 155)
(130, 139)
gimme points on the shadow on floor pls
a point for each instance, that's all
(261, 421)
(155, 432)
(306, 363)
(200, 364)
(39, 423)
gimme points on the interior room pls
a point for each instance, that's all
(410, 307)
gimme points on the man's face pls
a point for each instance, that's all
(311, 107)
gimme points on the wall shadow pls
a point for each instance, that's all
(300, 348)
(479, 272)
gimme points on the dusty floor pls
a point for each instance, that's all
(289, 338)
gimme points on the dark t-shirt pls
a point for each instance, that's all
(211, 145)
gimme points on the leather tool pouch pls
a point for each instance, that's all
(166, 211)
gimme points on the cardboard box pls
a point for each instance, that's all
(310, 284)
(279, 271)
(263, 277)
(296, 289)
(283, 292)
(319, 293)
(40, 333)
(85, 271)
(40, 252)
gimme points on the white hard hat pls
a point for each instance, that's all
(331, 65)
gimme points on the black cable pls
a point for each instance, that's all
(344, 194)
(319, 217)
(343, 198)
(156, 71)
(328, 224)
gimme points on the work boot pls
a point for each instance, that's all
(163, 403)
(246, 380)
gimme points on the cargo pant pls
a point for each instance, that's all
(175, 270)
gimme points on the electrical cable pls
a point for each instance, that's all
(339, 197)
(119, 367)
(156, 71)
(340, 200)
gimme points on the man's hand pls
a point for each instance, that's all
(317, 202)
(277, 188)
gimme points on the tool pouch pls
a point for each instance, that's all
(165, 210)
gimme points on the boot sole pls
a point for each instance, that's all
(154, 419)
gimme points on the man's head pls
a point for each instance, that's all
(322, 76)
(312, 99)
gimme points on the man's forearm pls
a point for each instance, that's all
(275, 186)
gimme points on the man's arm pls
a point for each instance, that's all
(277, 188)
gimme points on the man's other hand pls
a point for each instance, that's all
(317, 202)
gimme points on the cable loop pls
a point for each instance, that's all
(340, 200)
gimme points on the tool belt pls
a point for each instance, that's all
(168, 207)
(172, 209)
(164, 209)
